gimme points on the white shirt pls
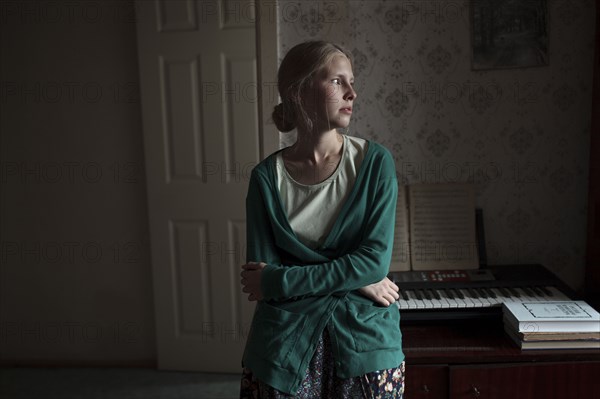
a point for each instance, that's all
(312, 209)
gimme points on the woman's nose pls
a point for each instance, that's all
(350, 94)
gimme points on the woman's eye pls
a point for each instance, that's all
(336, 81)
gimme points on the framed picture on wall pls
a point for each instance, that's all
(509, 33)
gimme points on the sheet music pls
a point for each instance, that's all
(401, 252)
(442, 226)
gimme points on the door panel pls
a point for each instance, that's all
(204, 131)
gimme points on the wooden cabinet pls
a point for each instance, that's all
(426, 382)
(469, 360)
(540, 380)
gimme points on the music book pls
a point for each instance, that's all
(435, 228)
(558, 336)
(554, 344)
(551, 316)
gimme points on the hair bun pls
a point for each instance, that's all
(284, 117)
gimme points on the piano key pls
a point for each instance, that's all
(403, 295)
(546, 291)
(472, 292)
(428, 304)
(442, 298)
(484, 299)
(411, 300)
(495, 296)
(450, 301)
(417, 302)
(504, 292)
(436, 303)
(534, 295)
(502, 295)
(539, 294)
(469, 300)
(419, 294)
(407, 303)
(558, 294)
(524, 295)
(458, 294)
(537, 291)
(435, 294)
(528, 291)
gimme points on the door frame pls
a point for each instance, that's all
(267, 46)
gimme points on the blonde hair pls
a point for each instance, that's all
(296, 72)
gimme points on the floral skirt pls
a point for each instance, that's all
(320, 381)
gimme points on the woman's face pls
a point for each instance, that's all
(332, 95)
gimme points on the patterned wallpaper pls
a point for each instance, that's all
(522, 134)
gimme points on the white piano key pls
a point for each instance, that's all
(436, 303)
(538, 296)
(451, 302)
(500, 297)
(460, 302)
(402, 303)
(417, 303)
(530, 294)
(443, 301)
(453, 298)
(468, 298)
(557, 294)
(524, 296)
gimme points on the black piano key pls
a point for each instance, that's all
(404, 295)
(418, 294)
(514, 292)
(547, 291)
(480, 293)
(528, 291)
(459, 294)
(450, 293)
(490, 293)
(474, 294)
(537, 291)
(436, 294)
(504, 291)
(426, 294)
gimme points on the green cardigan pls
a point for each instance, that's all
(307, 290)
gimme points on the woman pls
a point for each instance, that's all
(320, 226)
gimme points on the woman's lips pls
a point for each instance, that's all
(347, 110)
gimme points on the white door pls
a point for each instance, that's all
(204, 130)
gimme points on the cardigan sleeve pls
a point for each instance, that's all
(260, 242)
(368, 264)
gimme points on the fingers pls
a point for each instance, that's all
(390, 297)
(252, 266)
(254, 297)
(392, 285)
(250, 280)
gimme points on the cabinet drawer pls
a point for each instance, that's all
(541, 380)
(426, 382)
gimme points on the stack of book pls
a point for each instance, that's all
(552, 324)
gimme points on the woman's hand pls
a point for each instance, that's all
(251, 280)
(384, 292)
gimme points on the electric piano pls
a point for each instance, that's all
(473, 294)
